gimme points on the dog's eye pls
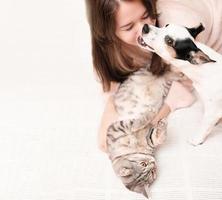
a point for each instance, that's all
(169, 41)
(188, 56)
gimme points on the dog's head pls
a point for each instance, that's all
(173, 41)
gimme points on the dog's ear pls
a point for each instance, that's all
(196, 30)
(199, 57)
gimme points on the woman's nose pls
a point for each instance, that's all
(145, 29)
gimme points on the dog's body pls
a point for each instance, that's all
(206, 80)
(200, 63)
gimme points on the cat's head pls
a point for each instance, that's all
(137, 171)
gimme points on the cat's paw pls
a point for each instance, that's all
(161, 138)
(161, 132)
(195, 141)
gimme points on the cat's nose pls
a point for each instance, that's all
(146, 29)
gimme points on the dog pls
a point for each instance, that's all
(177, 46)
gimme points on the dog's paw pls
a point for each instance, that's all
(195, 141)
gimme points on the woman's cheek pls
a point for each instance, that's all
(131, 38)
(128, 37)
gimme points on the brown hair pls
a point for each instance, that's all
(113, 59)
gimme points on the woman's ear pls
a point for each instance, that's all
(196, 30)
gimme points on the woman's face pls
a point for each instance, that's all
(130, 18)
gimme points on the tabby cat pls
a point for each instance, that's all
(132, 140)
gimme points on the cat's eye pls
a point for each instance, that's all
(143, 164)
(169, 41)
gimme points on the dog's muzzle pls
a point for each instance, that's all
(141, 41)
(143, 44)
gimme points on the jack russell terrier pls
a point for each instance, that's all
(176, 45)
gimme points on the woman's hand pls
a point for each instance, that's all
(109, 116)
(180, 95)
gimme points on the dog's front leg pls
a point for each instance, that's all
(208, 122)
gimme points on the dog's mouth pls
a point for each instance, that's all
(141, 41)
(143, 44)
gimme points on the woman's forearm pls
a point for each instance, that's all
(179, 96)
(109, 116)
(163, 112)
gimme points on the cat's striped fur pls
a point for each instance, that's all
(132, 140)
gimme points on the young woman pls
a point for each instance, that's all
(115, 26)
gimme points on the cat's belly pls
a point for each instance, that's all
(131, 107)
(139, 94)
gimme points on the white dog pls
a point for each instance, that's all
(176, 45)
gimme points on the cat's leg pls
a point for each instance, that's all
(129, 126)
(119, 129)
(210, 119)
(158, 133)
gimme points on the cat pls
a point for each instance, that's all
(131, 145)
(132, 139)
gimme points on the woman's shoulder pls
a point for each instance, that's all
(191, 13)
(113, 88)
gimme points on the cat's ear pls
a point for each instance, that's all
(143, 190)
(196, 30)
(124, 172)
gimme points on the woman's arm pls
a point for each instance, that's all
(109, 116)
(163, 112)
(179, 96)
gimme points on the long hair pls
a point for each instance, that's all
(114, 60)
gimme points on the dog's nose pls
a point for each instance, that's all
(146, 29)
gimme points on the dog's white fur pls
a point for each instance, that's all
(207, 77)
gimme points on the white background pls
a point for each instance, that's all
(48, 95)
(50, 107)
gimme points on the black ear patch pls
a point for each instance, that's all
(184, 47)
(196, 30)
